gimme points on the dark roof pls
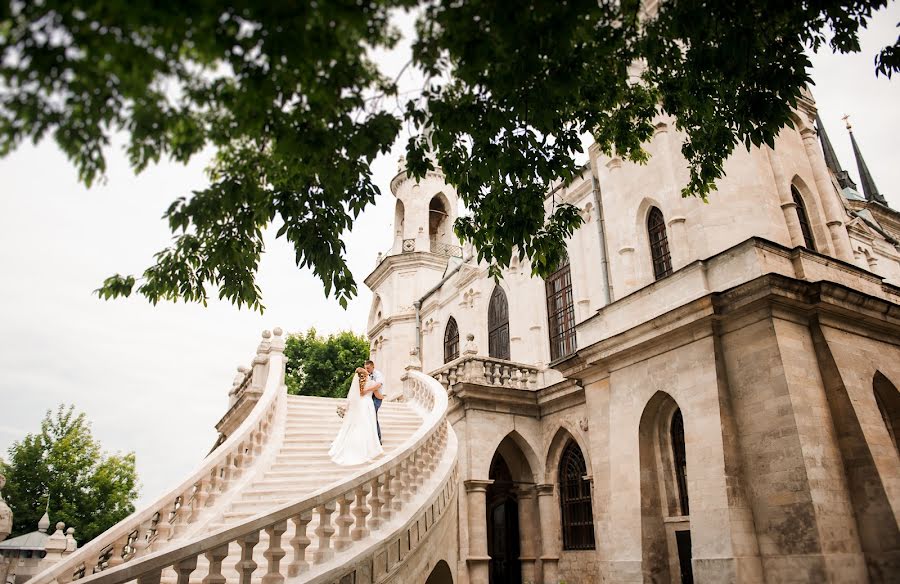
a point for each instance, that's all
(831, 159)
(865, 177)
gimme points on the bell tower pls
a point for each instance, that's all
(423, 245)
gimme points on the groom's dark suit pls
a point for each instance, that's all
(377, 377)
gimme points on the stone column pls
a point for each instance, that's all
(549, 533)
(529, 533)
(827, 195)
(788, 206)
(478, 558)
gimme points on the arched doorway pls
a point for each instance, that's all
(440, 574)
(503, 525)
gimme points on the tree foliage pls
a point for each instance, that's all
(289, 100)
(323, 366)
(88, 489)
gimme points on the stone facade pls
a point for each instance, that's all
(773, 345)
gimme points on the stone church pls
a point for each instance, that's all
(702, 392)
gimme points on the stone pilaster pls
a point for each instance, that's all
(477, 558)
(549, 533)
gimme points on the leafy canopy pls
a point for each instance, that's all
(88, 489)
(290, 102)
(323, 366)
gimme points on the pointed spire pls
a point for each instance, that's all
(865, 177)
(831, 159)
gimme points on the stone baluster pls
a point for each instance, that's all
(163, 530)
(142, 540)
(212, 489)
(387, 510)
(116, 554)
(184, 568)
(361, 511)
(214, 558)
(402, 490)
(299, 543)
(411, 478)
(200, 497)
(246, 566)
(151, 577)
(274, 554)
(237, 461)
(344, 521)
(376, 502)
(324, 532)
(397, 488)
(421, 464)
(183, 512)
(226, 473)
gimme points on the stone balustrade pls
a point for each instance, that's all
(481, 370)
(160, 524)
(311, 536)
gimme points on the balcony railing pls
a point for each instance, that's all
(446, 249)
(488, 371)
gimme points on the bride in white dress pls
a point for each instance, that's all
(357, 440)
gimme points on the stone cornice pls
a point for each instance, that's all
(470, 396)
(418, 259)
(386, 322)
(402, 176)
(767, 295)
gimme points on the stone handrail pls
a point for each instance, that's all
(150, 528)
(489, 371)
(372, 498)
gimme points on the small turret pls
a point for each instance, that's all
(424, 214)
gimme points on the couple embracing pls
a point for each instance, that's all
(359, 439)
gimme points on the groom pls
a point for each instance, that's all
(377, 395)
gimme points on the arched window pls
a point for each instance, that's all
(576, 510)
(888, 399)
(679, 460)
(659, 244)
(451, 341)
(498, 325)
(803, 218)
(561, 311)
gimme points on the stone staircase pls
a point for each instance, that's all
(302, 464)
(270, 493)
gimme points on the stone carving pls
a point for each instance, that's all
(583, 424)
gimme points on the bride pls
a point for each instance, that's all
(357, 440)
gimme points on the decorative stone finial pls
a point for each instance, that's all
(414, 361)
(71, 544)
(278, 331)
(266, 334)
(44, 523)
(471, 348)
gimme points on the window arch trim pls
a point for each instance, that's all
(451, 340)
(660, 255)
(809, 241)
(576, 507)
(498, 324)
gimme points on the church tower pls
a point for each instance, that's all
(424, 245)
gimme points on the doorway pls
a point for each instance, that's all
(503, 525)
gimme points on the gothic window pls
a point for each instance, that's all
(576, 510)
(803, 218)
(451, 341)
(659, 244)
(498, 325)
(561, 311)
(680, 461)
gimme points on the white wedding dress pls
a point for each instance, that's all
(357, 440)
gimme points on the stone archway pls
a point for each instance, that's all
(441, 574)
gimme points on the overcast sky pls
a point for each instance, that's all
(154, 380)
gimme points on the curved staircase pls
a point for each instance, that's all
(267, 505)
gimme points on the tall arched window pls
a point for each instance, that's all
(561, 311)
(679, 460)
(498, 325)
(576, 509)
(451, 341)
(659, 244)
(803, 218)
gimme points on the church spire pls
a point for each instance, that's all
(865, 177)
(831, 159)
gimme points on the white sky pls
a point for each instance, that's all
(154, 380)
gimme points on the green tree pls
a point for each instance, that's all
(289, 100)
(323, 366)
(88, 489)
